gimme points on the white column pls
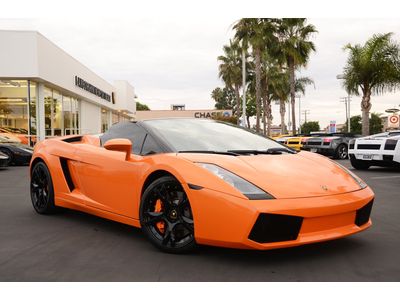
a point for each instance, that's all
(40, 115)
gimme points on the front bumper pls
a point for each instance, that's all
(227, 221)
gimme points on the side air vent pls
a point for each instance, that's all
(271, 228)
(73, 139)
(67, 174)
(362, 215)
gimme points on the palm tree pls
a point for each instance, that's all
(257, 33)
(373, 68)
(294, 35)
(230, 70)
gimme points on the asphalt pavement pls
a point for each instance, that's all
(73, 246)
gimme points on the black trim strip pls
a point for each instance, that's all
(73, 139)
(194, 187)
(67, 174)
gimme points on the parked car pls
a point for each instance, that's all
(17, 153)
(199, 181)
(3, 160)
(334, 144)
(20, 134)
(381, 149)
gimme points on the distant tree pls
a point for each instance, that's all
(224, 98)
(251, 108)
(375, 124)
(141, 106)
(307, 127)
(230, 119)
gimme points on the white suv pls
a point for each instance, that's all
(381, 149)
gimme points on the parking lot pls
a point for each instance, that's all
(73, 246)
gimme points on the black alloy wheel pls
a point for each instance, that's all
(166, 216)
(9, 154)
(341, 152)
(42, 192)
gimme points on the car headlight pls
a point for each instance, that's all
(357, 179)
(246, 188)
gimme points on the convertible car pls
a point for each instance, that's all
(190, 181)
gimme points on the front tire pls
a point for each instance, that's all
(9, 154)
(42, 191)
(166, 217)
(359, 164)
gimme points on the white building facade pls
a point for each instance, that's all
(45, 92)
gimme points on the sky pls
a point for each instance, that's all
(174, 60)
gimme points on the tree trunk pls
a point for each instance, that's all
(292, 94)
(269, 116)
(365, 108)
(264, 115)
(282, 110)
(258, 87)
(238, 107)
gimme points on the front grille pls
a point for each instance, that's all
(271, 228)
(369, 146)
(292, 143)
(313, 143)
(362, 215)
(326, 143)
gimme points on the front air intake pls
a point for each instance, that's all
(271, 228)
(362, 215)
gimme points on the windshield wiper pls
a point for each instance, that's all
(210, 152)
(277, 150)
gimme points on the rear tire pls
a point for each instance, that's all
(341, 152)
(359, 164)
(166, 217)
(42, 191)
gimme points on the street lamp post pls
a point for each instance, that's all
(347, 103)
(244, 87)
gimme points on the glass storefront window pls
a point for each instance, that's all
(57, 120)
(104, 120)
(14, 114)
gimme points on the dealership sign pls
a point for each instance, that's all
(211, 114)
(79, 82)
(332, 126)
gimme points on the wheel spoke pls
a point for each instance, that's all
(167, 235)
(187, 220)
(154, 217)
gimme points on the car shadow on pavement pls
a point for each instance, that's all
(254, 257)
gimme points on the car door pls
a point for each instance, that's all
(108, 181)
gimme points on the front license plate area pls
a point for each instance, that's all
(314, 150)
(367, 156)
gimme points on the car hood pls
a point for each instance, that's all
(288, 175)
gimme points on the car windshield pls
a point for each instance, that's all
(208, 135)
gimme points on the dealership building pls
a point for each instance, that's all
(45, 92)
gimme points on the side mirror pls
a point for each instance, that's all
(122, 145)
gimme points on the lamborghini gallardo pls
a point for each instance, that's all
(186, 182)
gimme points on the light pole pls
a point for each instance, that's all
(244, 86)
(305, 112)
(347, 103)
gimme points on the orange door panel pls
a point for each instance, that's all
(107, 180)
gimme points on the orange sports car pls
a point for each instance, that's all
(197, 181)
